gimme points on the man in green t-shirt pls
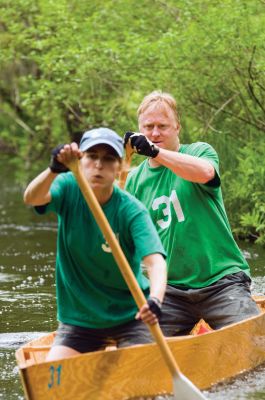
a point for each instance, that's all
(208, 276)
(95, 306)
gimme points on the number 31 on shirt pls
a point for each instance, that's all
(166, 201)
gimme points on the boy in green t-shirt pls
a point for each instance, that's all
(208, 276)
(95, 306)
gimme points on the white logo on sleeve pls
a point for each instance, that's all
(166, 202)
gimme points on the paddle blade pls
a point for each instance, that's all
(184, 389)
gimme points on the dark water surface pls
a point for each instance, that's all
(27, 291)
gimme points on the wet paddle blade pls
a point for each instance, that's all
(184, 389)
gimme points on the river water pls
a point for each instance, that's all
(27, 290)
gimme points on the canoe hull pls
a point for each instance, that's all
(139, 370)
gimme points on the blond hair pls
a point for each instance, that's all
(157, 98)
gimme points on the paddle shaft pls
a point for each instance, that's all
(122, 262)
(125, 165)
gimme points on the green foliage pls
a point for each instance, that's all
(246, 192)
(69, 65)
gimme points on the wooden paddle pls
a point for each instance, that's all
(183, 387)
(125, 165)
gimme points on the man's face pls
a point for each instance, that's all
(158, 123)
(101, 166)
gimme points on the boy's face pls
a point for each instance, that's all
(101, 166)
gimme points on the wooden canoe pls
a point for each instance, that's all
(139, 371)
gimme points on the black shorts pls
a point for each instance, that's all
(224, 302)
(87, 339)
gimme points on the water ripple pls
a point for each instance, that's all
(15, 339)
(26, 228)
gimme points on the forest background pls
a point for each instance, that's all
(68, 65)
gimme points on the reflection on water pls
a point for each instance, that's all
(27, 292)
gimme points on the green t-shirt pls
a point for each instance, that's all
(191, 221)
(91, 291)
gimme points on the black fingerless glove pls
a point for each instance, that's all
(55, 165)
(155, 306)
(141, 144)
